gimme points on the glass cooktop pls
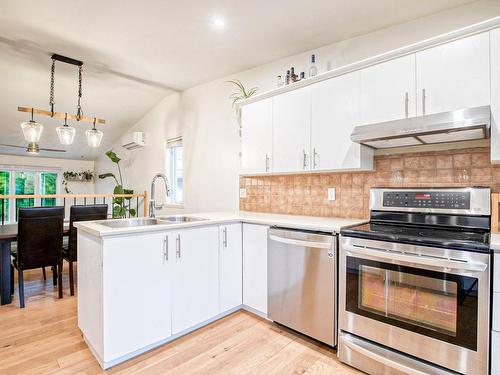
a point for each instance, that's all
(422, 235)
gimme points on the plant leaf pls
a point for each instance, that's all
(106, 175)
(112, 156)
(132, 212)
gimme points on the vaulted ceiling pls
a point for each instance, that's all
(137, 52)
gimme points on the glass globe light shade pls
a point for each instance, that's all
(94, 137)
(66, 134)
(32, 131)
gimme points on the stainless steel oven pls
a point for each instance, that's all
(409, 308)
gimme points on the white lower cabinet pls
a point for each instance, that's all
(195, 277)
(495, 353)
(495, 324)
(136, 288)
(255, 267)
(230, 267)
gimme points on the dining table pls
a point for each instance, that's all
(8, 234)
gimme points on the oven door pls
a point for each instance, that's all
(427, 302)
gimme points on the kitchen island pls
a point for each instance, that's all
(144, 285)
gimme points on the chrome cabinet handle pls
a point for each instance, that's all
(315, 157)
(407, 100)
(267, 163)
(423, 101)
(178, 243)
(165, 249)
(224, 237)
(304, 159)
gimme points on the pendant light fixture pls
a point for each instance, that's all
(94, 136)
(66, 133)
(32, 130)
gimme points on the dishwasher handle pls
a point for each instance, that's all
(292, 241)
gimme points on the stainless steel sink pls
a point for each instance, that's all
(180, 219)
(127, 223)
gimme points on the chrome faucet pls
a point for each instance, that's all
(152, 201)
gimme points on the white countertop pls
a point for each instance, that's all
(325, 224)
(495, 242)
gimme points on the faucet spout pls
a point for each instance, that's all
(152, 201)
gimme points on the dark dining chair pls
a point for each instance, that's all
(80, 213)
(39, 243)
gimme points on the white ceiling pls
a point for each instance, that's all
(137, 52)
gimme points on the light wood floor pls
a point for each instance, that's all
(44, 338)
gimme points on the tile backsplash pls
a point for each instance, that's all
(307, 194)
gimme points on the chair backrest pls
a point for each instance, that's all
(40, 236)
(83, 213)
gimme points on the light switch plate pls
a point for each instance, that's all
(331, 194)
(243, 193)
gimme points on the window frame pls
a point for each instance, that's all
(171, 167)
(13, 169)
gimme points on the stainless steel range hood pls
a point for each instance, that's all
(460, 125)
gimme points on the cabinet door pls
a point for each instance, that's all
(495, 95)
(230, 267)
(334, 113)
(136, 292)
(387, 91)
(195, 287)
(291, 131)
(454, 75)
(256, 137)
(255, 267)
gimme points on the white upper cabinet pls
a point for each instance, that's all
(454, 75)
(334, 113)
(495, 95)
(387, 91)
(195, 292)
(256, 137)
(230, 266)
(291, 131)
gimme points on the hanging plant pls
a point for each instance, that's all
(242, 93)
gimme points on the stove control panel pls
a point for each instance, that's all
(427, 199)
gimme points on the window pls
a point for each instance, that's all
(26, 181)
(174, 170)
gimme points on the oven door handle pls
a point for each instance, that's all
(380, 359)
(291, 241)
(416, 259)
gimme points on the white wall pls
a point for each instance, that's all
(205, 117)
(62, 164)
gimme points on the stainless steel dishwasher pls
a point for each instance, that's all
(302, 282)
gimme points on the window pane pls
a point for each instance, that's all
(4, 190)
(25, 185)
(175, 175)
(48, 185)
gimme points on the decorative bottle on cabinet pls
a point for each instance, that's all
(313, 70)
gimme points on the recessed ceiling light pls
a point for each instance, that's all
(218, 22)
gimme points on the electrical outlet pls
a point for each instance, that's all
(243, 193)
(331, 194)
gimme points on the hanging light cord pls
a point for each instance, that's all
(79, 112)
(52, 81)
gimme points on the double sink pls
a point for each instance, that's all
(143, 221)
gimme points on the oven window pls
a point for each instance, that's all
(419, 300)
(438, 305)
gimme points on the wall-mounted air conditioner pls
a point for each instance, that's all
(133, 141)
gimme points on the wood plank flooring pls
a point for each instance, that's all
(44, 338)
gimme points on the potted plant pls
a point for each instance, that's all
(121, 206)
